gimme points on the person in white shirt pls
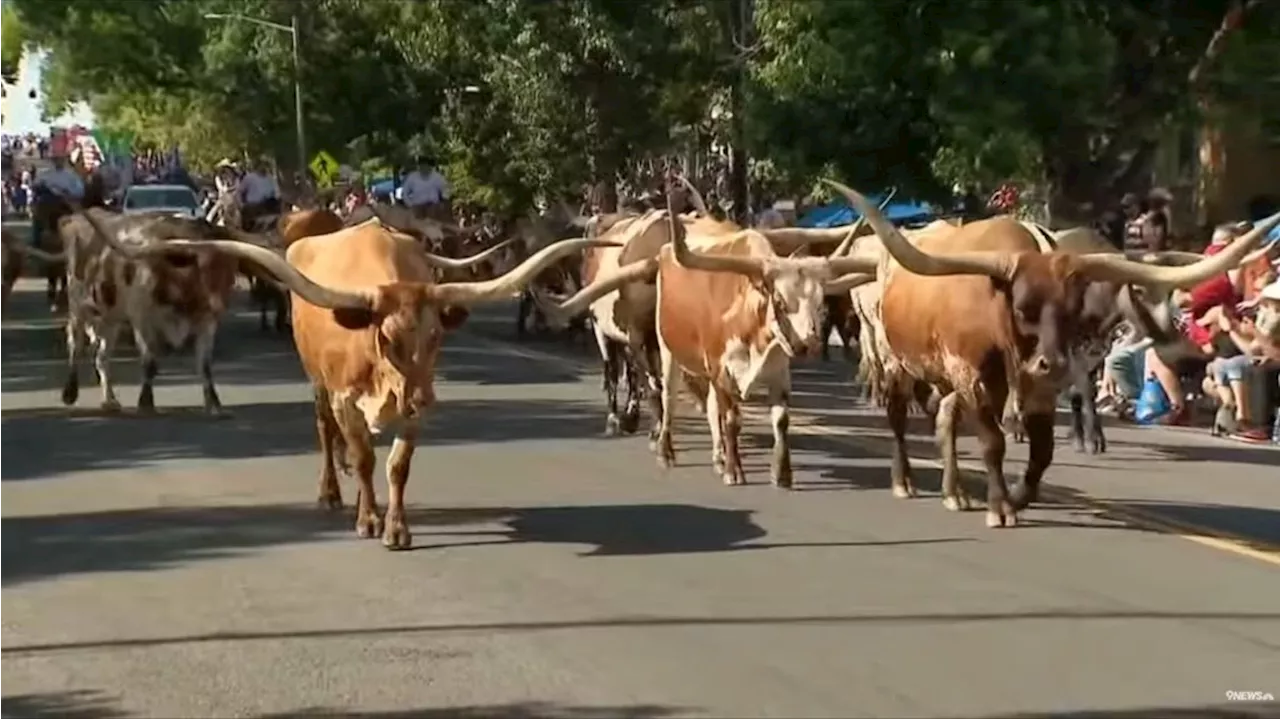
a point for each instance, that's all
(426, 192)
(259, 195)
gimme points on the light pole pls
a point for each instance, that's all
(292, 29)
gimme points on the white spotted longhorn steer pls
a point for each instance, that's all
(731, 314)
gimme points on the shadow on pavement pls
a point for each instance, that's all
(77, 704)
(47, 442)
(648, 622)
(47, 546)
(44, 547)
(1257, 527)
(520, 710)
(645, 529)
(1229, 452)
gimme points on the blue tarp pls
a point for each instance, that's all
(840, 213)
(383, 186)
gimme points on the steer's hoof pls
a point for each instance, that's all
(1004, 517)
(70, 393)
(397, 535)
(782, 482)
(368, 525)
(330, 500)
(217, 412)
(612, 426)
(957, 502)
(666, 461)
(734, 479)
(904, 491)
(630, 422)
(111, 405)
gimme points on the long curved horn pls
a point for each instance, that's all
(559, 313)
(1115, 268)
(688, 259)
(846, 245)
(469, 293)
(23, 248)
(694, 196)
(270, 261)
(999, 265)
(844, 283)
(844, 265)
(1167, 257)
(450, 263)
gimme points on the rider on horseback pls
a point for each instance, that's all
(259, 194)
(50, 194)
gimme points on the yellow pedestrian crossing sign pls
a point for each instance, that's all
(324, 167)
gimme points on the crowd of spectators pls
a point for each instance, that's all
(1223, 349)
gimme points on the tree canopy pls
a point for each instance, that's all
(526, 99)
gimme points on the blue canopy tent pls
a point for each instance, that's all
(840, 213)
(383, 186)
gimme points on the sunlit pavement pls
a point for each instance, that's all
(178, 566)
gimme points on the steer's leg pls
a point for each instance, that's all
(635, 393)
(715, 423)
(610, 355)
(206, 333)
(145, 340)
(1040, 456)
(282, 309)
(104, 336)
(647, 354)
(670, 373)
(780, 418)
(396, 535)
(1086, 425)
(900, 468)
(732, 431)
(355, 434)
(330, 496)
(75, 346)
(953, 495)
(1000, 511)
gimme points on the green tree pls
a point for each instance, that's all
(14, 43)
(1069, 94)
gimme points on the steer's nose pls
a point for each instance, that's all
(1046, 366)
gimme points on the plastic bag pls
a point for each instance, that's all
(1152, 404)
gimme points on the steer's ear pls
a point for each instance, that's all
(352, 319)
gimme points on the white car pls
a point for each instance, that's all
(174, 199)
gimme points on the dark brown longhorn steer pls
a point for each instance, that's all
(368, 322)
(984, 313)
(290, 227)
(730, 315)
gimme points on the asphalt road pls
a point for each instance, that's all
(177, 565)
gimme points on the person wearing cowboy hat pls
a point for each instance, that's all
(225, 176)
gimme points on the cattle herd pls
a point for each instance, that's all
(996, 318)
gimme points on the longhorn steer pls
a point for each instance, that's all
(990, 315)
(290, 228)
(167, 299)
(730, 315)
(10, 266)
(368, 321)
